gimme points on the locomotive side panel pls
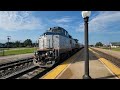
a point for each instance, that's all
(41, 42)
(49, 43)
(56, 41)
(65, 45)
(73, 43)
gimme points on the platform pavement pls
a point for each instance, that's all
(75, 70)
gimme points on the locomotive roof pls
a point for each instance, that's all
(54, 28)
(58, 30)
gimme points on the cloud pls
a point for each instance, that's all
(63, 20)
(105, 21)
(19, 20)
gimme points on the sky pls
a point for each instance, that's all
(104, 26)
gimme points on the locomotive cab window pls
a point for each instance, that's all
(65, 33)
(56, 30)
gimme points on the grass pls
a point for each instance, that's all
(17, 51)
(114, 49)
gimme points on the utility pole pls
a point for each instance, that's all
(19, 43)
(8, 38)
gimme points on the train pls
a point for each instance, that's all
(54, 44)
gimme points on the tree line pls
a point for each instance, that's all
(29, 43)
(16, 44)
(98, 44)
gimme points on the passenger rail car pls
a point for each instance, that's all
(53, 44)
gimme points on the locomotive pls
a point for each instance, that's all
(53, 45)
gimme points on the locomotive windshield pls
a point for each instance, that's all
(57, 30)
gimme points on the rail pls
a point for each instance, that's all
(12, 68)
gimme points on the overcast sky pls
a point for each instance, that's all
(104, 26)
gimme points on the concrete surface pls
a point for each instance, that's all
(76, 70)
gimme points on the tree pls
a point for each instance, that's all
(1, 45)
(91, 45)
(28, 43)
(99, 44)
(17, 44)
(11, 44)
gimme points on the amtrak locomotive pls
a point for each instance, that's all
(54, 44)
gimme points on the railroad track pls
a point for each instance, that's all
(24, 69)
(10, 69)
(112, 59)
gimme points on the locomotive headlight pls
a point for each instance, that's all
(36, 53)
(46, 54)
(51, 52)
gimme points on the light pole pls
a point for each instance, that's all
(85, 15)
(19, 43)
(8, 37)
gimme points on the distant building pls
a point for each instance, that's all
(115, 44)
(105, 45)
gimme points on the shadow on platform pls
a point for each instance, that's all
(82, 57)
(107, 77)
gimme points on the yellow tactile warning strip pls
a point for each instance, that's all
(111, 66)
(56, 71)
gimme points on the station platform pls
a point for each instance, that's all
(73, 68)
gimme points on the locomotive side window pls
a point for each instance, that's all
(65, 33)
